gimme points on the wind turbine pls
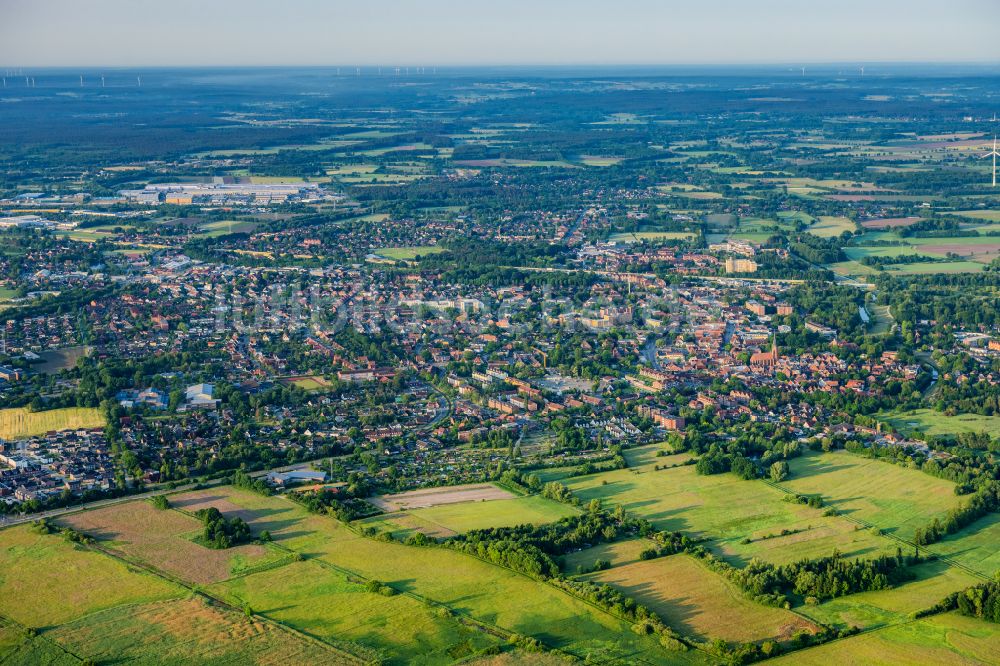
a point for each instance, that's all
(994, 154)
(102, 81)
(138, 79)
(803, 71)
(81, 80)
(862, 71)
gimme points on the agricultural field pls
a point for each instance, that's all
(987, 215)
(192, 630)
(64, 581)
(19, 422)
(468, 586)
(869, 610)
(699, 602)
(907, 499)
(679, 499)
(165, 539)
(455, 518)
(932, 422)
(943, 640)
(830, 227)
(430, 497)
(889, 222)
(616, 553)
(974, 547)
(321, 601)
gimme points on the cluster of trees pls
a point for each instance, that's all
(879, 262)
(219, 532)
(982, 502)
(982, 601)
(344, 504)
(822, 578)
(950, 300)
(243, 480)
(531, 549)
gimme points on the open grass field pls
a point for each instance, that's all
(408, 253)
(616, 553)
(308, 382)
(456, 518)
(942, 640)
(868, 610)
(906, 498)
(19, 649)
(975, 546)
(224, 227)
(936, 267)
(829, 227)
(597, 161)
(163, 539)
(639, 236)
(704, 506)
(988, 215)
(64, 581)
(188, 631)
(19, 422)
(466, 585)
(323, 602)
(851, 269)
(699, 602)
(54, 360)
(933, 422)
(794, 216)
(859, 252)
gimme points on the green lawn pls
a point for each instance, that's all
(906, 499)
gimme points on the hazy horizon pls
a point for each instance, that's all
(517, 33)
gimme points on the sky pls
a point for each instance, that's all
(141, 33)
